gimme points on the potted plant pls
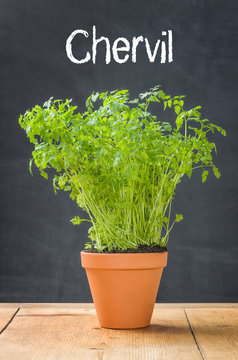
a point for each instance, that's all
(121, 164)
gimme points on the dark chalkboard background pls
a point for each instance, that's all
(39, 247)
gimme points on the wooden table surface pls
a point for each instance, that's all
(71, 331)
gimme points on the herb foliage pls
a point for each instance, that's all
(121, 163)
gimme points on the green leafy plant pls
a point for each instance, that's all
(120, 162)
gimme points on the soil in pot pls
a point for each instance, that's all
(140, 249)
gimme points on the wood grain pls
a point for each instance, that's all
(91, 305)
(71, 331)
(64, 334)
(6, 313)
(216, 332)
(65, 310)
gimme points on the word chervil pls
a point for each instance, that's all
(122, 49)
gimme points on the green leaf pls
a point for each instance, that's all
(205, 175)
(167, 126)
(188, 171)
(216, 172)
(134, 101)
(88, 246)
(95, 97)
(179, 217)
(48, 103)
(177, 109)
(77, 221)
(44, 174)
(162, 94)
(179, 122)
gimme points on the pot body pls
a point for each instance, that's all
(124, 286)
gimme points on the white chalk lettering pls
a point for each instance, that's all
(162, 50)
(151, 56)
(95, 43)
(115, 50)
(170, 41)
(69, 48)
(135, 43)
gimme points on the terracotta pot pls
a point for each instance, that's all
(124, 286)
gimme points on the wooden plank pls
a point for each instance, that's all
(91, 305)
(9, 305)
(46, 305)
(6, 313)
(51, 310)
(196, 305)
(60, 335)
(216, 332)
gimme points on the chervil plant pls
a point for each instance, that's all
(120, 162)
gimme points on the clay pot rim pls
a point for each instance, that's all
(124, 260)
